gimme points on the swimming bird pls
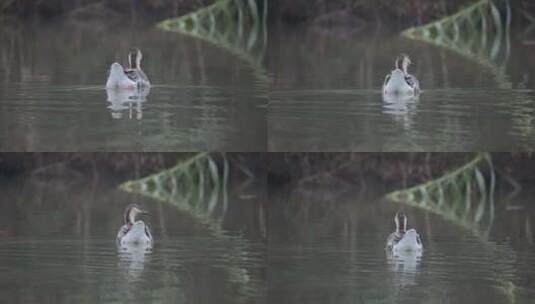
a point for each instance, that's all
(403, 240)
(130, 78)
(134, 232)
(399, 81)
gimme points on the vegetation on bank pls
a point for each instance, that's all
(149, 10)
(238, 27)
(464, 195)
(355, 12)
(395, 170)
(128, 165)
(291, 11)
(348, 13)
(195, 185)
(336, 12)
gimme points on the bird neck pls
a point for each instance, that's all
(132, 218)
(405, 65)
(398, 63)
(133, 61)
(401, 226)
(129, 216)
(402, 63)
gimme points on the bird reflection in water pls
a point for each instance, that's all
(401, 108)
(405, 266)
(130, 101)
(132, 260)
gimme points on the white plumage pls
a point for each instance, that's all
(399, 81)
(134, 232)
(403, 240)
(131, 78)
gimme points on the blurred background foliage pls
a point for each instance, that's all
(149, 10)
(394, 170)
(332, 12)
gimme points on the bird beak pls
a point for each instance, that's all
(140, 211)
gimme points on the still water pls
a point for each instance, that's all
(326, 93)
(321, 244)
(328, 247)
(58, 246)
(52, 95)
(300, 89)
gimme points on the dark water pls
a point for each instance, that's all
(328, 247)
(313, 89)
(312, 244)
(326, 94)
(52, 95)
(58, 246)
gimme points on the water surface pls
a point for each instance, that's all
(58, 245)
(327, 246)
(312, 243)
(307, 89)
(52, 95)
(326, 94)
